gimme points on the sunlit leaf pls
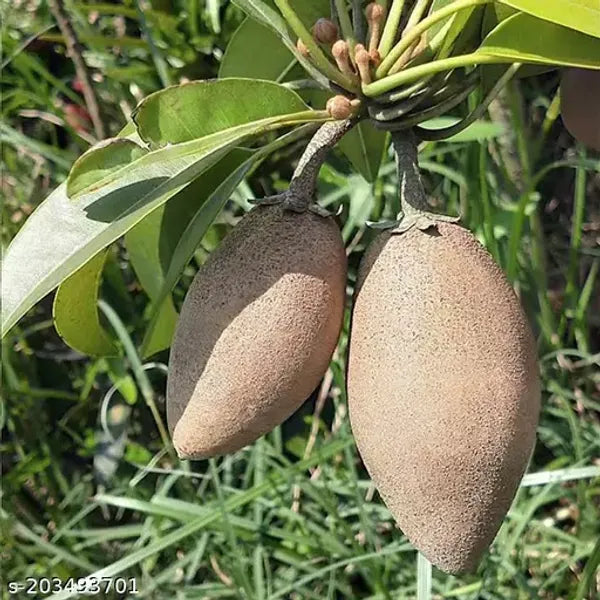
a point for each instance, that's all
(200, 108)
(582, 15)
(103, 159)
(62, 235)
(527, 39)
(75, 310)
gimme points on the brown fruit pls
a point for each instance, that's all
(257, 330)
(580, 102)
(443, 389)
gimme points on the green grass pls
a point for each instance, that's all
(295, 514)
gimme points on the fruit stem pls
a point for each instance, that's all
(413, 199)
(304, 181)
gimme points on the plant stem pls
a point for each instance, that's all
(440, 134)
(416, 14)
(345, 24)
(418, 29)
(391, 28)
(412, 193)
(75, 51)
(317, 56)
(304, 182)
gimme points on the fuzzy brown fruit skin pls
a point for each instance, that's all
(443, 389)
(579, 100)
(257, 330)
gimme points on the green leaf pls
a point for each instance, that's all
(581, 15)
(103, 159)
(261, 12)
(271, 60)
(61, 235)
(364, 146)
(310, 12)
(527, 39)
(200, 108)
(494, 14)
(464, 34)
(478, 131)
(75, 310)
(143, 247)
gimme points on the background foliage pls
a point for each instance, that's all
(88, 482)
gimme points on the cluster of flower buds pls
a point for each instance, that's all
(354, 60)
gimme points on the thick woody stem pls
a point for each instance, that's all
(412, 193)
(304, 182)
(75, 51)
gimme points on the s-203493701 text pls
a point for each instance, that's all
(41, 587)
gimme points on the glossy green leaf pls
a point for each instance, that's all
(581, 15)
(100, 161)
(200, 108)
(261, 12)
(271, 60)
(75, 310)
(62, 235)
(523, 38)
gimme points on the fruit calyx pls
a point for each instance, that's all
(413, 200)
(300, 196)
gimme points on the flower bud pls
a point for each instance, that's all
(325, 31)
(340, 107)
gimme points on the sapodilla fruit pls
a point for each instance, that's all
(579, 100)
(443, 389)
(257, 330)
